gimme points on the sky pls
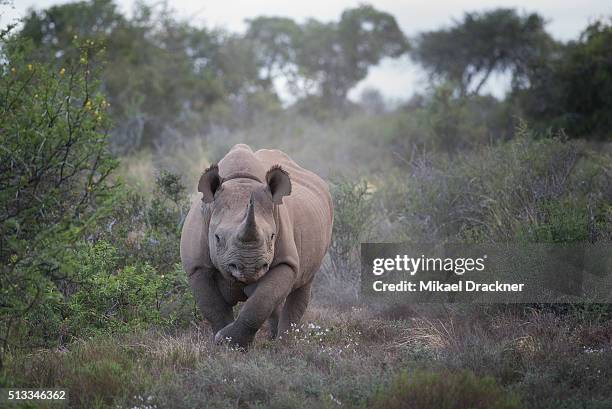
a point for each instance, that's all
(396, 79)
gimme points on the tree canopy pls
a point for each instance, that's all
(166, 77)
(327, 59)
(468, 52)
(573, 89)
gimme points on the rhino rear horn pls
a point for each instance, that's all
(248, 229)
(209, 183)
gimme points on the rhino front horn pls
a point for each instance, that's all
(248, 229)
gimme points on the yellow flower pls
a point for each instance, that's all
(88, 104)
(13, 70)
(83, 60)
(62, 72)
(30, 67)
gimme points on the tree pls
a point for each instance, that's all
(573, 89)
(467, 53)
(163, 75)
(276, 42)
(326, 59)
(53, 29)
(339, 55)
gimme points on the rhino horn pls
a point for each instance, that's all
(248, 228)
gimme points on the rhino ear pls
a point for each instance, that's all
(279, 183)
(210, 181)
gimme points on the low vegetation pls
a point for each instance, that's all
(355, 357)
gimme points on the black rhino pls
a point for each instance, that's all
(259, 235)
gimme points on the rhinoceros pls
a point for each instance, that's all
(258, 235)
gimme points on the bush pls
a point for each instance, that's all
(147, 226)
(462, 390)
(54, 169)
(531, 188)
(106, 290)
(352, 219)
(79, 253)
(114, 298)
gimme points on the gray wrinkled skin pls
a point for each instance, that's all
(258, 235)
(245, 260)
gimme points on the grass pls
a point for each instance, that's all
(344, 357)
(444, 391)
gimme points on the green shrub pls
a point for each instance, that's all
(352, 219)
(462, 390)
(112, 297)
(529, 188)
(54, 169)
(79, 253)
(147, 227)
(557, 222)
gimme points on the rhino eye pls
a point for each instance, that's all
(217, 238)
(272, 236)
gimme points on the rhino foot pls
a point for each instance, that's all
(233, 335)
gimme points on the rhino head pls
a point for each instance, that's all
(242, 230)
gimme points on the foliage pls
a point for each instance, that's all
(529, 188)
(167, 78)
(54, 167)
(352, 218)
(572, 90)
(461, 390)
(327, 59)
(459, 124)
(550, 361)
(276, 40)
(467, 53)
(164, 219)
(162, 73)
(62, 274)
(111, 297)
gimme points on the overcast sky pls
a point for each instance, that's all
(397, 79)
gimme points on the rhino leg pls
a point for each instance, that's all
(273, 321)
(211, 303)
(294, 309)
(271, 291)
